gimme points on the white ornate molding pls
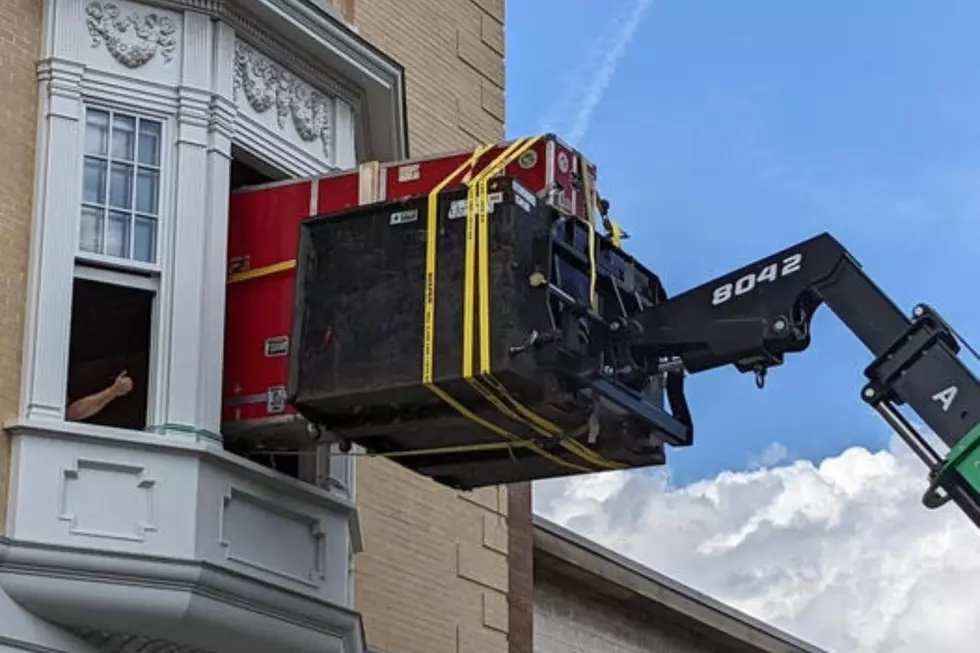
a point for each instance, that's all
(265, 85)
(132, 40)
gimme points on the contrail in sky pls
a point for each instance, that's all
(591, 81)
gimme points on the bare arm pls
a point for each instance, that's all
(93, 404)
(88, 406)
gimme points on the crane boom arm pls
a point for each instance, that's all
(753, 317)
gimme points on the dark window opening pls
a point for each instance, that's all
(285, 462)
(110, 333)
(248, 170)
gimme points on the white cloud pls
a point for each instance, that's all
(587, 82)
(841, 554)
(771, 455)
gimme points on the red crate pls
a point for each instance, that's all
(262, 243)
(548, 164)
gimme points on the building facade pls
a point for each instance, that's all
(588, 599)
(127, 125)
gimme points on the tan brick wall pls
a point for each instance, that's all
(453, 53)
(434, 575)
(20, 38)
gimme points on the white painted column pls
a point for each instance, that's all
(183, 290)
(345, 150)
(220, 135)
(57, 203)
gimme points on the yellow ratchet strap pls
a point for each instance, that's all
(480, 201)
(615, 234)
(589, 202)
(429, 322)
(263, 271)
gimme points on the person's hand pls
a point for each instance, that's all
(122, 385)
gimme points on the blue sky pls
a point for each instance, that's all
(732, 130)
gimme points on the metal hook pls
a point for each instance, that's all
(760, 377)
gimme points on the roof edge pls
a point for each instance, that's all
(618, 571)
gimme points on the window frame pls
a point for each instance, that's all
(130, 272)
(164, 199)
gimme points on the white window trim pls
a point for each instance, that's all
(97, 100)
(116, 277)
(128, 272)
(183, 105)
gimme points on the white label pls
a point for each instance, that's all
(278, 346)
(946, 397)
(403, 217)
(521, 203)
(493, 199)
(275, 400)
(457, 210)
(525, 193)
(752, 280)
(563, 162)
(410, 172)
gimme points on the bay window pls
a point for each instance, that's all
(115, 293)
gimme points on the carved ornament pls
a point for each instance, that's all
(131, 39)
(267, 86)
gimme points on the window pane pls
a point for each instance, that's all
(93, 180)
(147, 186)
(123, 137)
(117, 236)
(149, 150)
(145, 239)
(96, 132)
(90, 235)
(121, 186)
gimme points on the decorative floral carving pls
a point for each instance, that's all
(267, 85)
(130, 39)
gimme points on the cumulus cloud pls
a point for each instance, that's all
(774, 453)
(840, 553)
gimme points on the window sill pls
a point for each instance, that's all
(117, 264)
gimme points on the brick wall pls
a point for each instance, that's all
(453, 53)
(435, 575)
(20, 37)
(570, 619)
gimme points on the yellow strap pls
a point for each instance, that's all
(615, 234)
(431, 243)
(480, 183)
(473, 201)
(523, 414)
(589, 191)
(429, 320)
(261, 272)
(477, 212)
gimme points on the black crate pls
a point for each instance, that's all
(356, 366)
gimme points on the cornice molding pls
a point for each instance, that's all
(299, 35)
(192, 603)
